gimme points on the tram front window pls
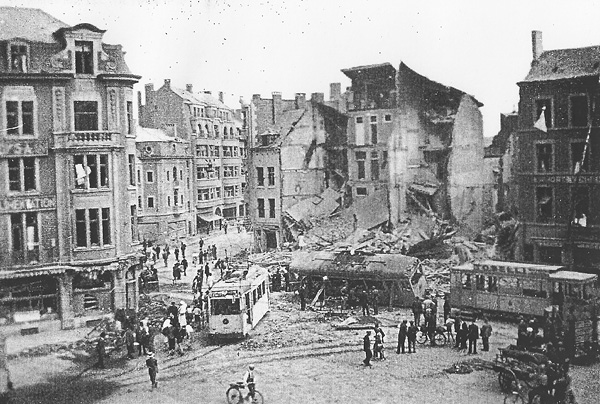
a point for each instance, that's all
(225, 307)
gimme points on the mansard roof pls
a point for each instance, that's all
(31, 24)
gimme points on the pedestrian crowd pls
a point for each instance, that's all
(425, 323)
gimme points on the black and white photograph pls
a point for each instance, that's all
(299, 201)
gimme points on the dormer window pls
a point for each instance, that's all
(84, 57)
(18, 58)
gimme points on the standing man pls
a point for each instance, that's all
(417, 309)
(183, 247)
(412, 337)
(486, 332)
(176, 253)
(447, 308)
(364, 302)
(214, 251)
(101, 350)
(130, 341)
(165, 257)
(402, 333)
(206, 271)
(375, 300)
(378, 347)
(473, 335)
(184, 264)
(302, 294)
(367, 348)
(152, 365)
(201, 243)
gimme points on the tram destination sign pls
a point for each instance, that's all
(510, 269)
(224, 293)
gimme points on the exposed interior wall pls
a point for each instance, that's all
(465, 167)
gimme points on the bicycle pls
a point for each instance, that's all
(439, 338)
(235, 395)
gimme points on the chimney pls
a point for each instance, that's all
(536, 44)
(276, 106)
(335, 91)
(221, 97)
(300, 100)
(189, 88)
(318, 97)
(168, 83)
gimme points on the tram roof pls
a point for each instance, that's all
(579, 277)
(357, 266)
(491, 265)
(255, 273)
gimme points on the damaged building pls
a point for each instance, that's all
(297, 153)
(556, 165)
(418, 141)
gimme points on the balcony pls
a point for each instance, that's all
(86, 138)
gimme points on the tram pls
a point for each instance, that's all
(520, 288)
(237, 304)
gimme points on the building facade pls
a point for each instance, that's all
(215, 141)
(165, 201)
(556, 165)
(297, 152)
(419, 141)
(67, 138)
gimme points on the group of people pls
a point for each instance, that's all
(177, 326)
(377, 350)
(364, 297)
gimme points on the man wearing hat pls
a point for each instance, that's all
(152, 365)
(367, 348)
(101, 349)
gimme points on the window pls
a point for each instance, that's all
(139, 176)
(385, 159)
(216, 127)
(91, 171)
(360, 161)
(271, 173)
(24, 237)
(84, 57)
(550, 255)
(360, 131)
(168, 175)
(373, 133)
(361, 191)
(260, 176)
(261, 207)
(480, 282)
(539, 106)
(22, 174)
(271, 208)
(466, 281)
(359, 119)
(180, 175)
(92, 227)
(533, 288)
(202, 151)
(150, 202)
(544, 204)
(131, 158)
(18, 58)
(229, 191)
(375, 166)
(578, 110)
(581, 205)
(227, 151)
(388, 118)
(19, 118)
(139, 202)
(577, 149)
(174, 173)
(86, 115)
(149, 176)
(214, 151)
(175, 197)
(545, 160)
(129, 117)
(228, 171)
(374, 119)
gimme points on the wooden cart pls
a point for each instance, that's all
(514, 365)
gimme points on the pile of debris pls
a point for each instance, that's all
(154, 308)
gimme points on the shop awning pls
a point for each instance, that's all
(423, 189)
(210, 218)
(31, 272)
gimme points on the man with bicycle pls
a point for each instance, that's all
(250, 381)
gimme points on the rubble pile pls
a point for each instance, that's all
(327, 232)
(154, 308)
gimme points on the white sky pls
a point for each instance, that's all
(242, 47)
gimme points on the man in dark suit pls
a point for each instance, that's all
(402, 333)
(473, 335)
(367, 348)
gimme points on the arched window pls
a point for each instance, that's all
(174, 173)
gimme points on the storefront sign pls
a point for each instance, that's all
(587, 245)
(566, 179)
(24, 204)
(18, 149)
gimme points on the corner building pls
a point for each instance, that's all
(67, 155)
(557, 196)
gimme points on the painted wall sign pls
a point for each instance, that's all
(32, 148)
(24, 204)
